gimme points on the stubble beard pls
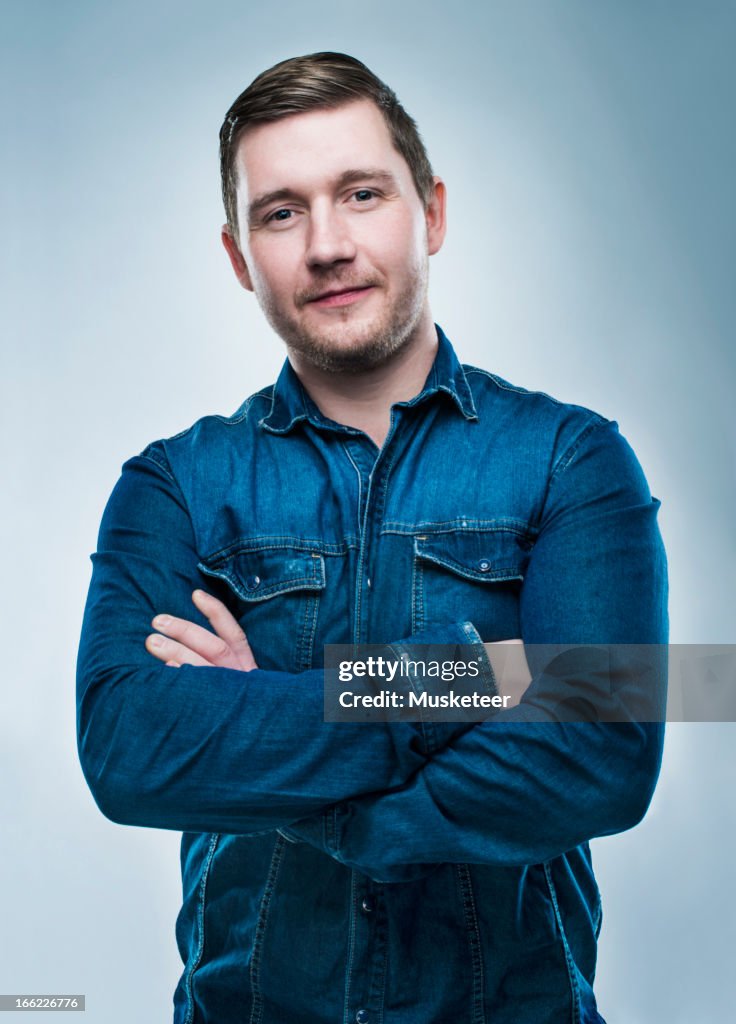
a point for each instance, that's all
(350, 348)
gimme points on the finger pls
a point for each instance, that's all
(193, 637)
(219, 616)
(226, 626)
(172, 652)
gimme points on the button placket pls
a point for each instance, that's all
(368, 971)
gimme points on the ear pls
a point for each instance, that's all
(435, 215)
(236, 258)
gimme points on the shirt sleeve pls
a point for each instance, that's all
(206, 749)
(526, 786)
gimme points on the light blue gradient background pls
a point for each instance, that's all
(589, 153)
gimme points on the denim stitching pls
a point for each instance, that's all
(357, 632)
(240, 414)
(574, 989)
(265, 905)
(360, 480)
(200, 927)
(417, 594)
(357, 627)
(569, 454)
(431, 390)
(389, 469)
(378, 985)
(330, 829)
(151, 454)
(266, 392)
(316, 581)
(500, 573)
(351, 950)
(476, 951)
(243, 412)
(277, 543)
(306, 642)
(361, 535)
(504, 385)
(464, 525)
(421, 603)
(471, 414)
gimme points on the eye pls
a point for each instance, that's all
(363, 195)
(279, 215)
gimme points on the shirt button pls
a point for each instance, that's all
(368, 905)
(361, 1017)
(484, 565)
(368, 582)
(252, 582)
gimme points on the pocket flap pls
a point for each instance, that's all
(482, 555)
(257, 574)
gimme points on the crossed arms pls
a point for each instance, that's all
(218, 744)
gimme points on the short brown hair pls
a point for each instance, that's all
(313, 82)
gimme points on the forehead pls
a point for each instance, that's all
(313, 148)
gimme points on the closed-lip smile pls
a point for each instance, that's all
(340, 296)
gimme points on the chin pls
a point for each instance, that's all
(361, 351)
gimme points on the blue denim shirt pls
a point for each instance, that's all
(385, 872)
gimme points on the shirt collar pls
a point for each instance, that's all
(291, 403)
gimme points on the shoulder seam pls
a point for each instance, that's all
(237, 417)
(161, 463)
(504, 385)
(568, 455)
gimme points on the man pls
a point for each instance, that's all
(380, 492)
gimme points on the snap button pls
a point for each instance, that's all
(368, 905)
(368, 582)
(253, 582)
(361, 1017)
(484, 565)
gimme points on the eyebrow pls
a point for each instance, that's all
(349, 177)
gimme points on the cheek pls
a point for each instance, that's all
(404, 244)
(272, 273)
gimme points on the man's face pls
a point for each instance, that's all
(334, 239)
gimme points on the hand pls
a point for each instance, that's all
(180, 642)
(509, 664)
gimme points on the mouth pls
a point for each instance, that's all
(339, 296)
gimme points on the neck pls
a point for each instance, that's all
(363, 400)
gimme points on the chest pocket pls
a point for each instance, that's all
(473, 575)
(274, 592)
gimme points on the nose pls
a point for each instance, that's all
(329, 240)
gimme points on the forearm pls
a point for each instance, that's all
(531, 784)
(215, 749)
(535, 797)
(527, 785)
(195, 748)
(210, 749)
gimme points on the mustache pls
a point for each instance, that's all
(333, 284)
